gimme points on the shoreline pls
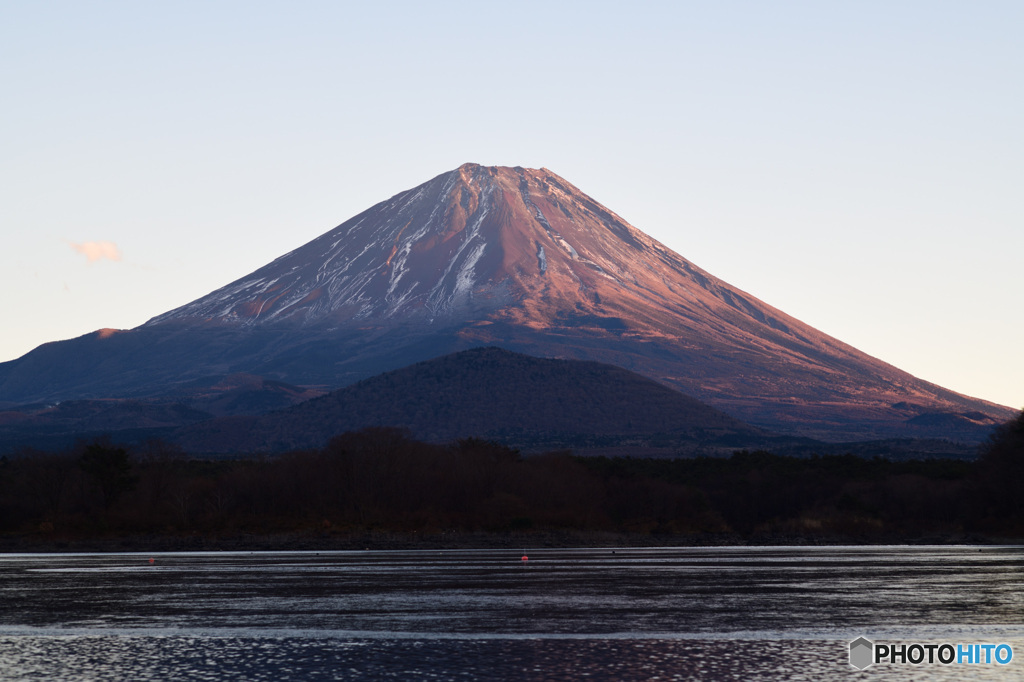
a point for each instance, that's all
(399, 541)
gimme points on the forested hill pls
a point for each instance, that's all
(485, 393)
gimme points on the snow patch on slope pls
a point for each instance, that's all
(445, 294)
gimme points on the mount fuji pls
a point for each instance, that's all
(515, 258)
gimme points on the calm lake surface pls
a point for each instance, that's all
(626, 614)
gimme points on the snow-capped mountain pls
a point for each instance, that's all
(519, 243)
(518, 258)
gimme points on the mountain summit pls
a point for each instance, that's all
(514, 244)
(518, 258)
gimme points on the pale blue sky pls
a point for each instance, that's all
(859, 165)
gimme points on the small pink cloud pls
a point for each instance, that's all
(95, 251)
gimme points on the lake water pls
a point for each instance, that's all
(624, 614)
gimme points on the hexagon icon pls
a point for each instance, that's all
(862, 651)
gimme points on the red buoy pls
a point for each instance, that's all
(526, 558)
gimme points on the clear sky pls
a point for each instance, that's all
(859, 165)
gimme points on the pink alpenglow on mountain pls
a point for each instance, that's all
(522, 259)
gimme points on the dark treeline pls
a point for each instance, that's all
(380, 479)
